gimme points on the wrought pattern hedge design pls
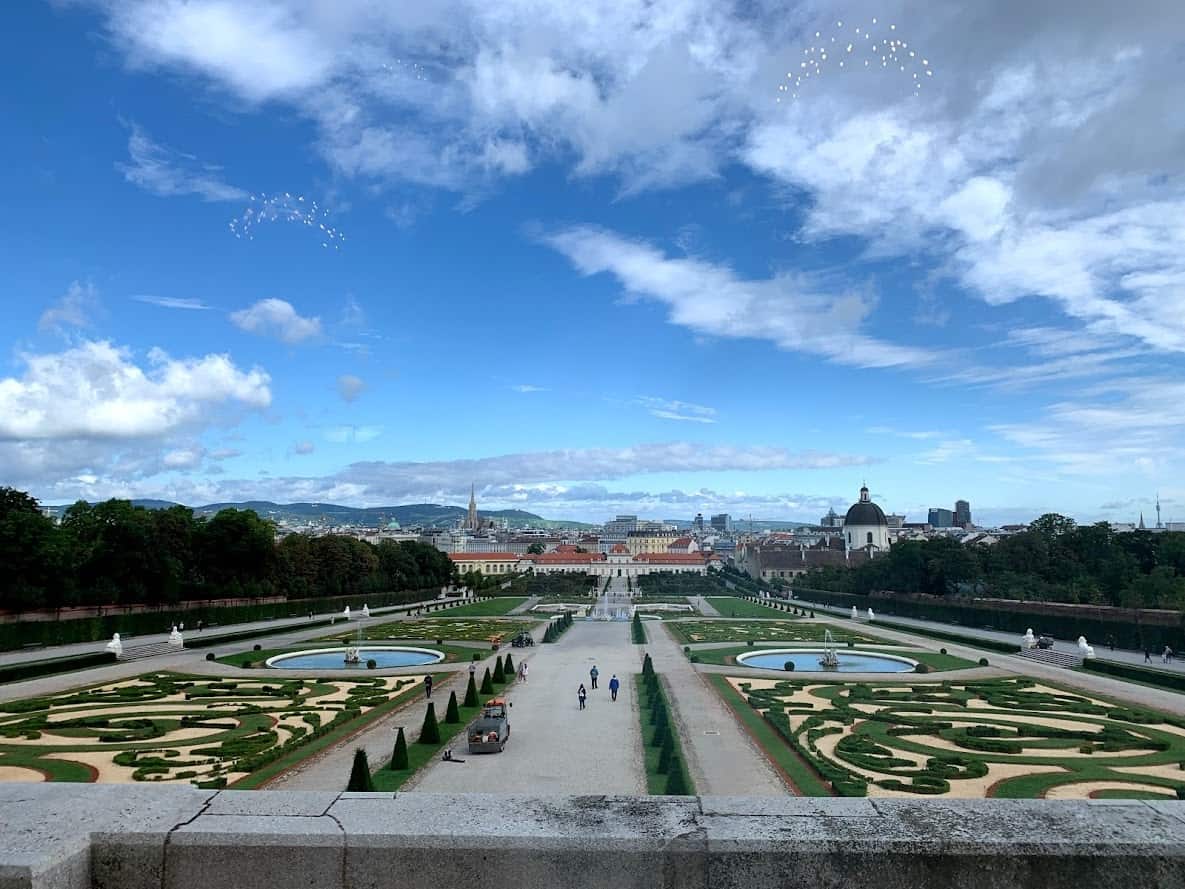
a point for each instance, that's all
(170, 727)
(1003, 738)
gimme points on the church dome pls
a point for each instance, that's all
(865, 512)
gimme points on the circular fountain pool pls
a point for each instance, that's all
(808, 659)
(335, 658)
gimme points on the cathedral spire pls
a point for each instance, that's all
(471, 519)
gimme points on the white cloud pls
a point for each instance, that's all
(349, 387)
(224, 453)
(352, 434)
(276, 318)
(527, 388)
(172, 302)
(793, 311)
(73, 309)
(667, 409)
(303, 447)
(167, 173)
(97, 391)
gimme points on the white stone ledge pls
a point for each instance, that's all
(78, 836)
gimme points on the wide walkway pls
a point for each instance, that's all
(556, 748)
(722, 757)
(1070, 646)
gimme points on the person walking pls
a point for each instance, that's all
(581, 694)
(593, 674)
(428, 687)
(614, 685)
(1147, 656)
(473, 669)
(525, 670)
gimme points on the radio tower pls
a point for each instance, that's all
(1158, 522)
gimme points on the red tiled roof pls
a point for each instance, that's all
(670, 558)
(566, 548)
(572, 558)
(619, 548)
(682, 541)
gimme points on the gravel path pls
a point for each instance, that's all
(722, 758)
(555, 748)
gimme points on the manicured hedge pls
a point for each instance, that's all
(53, 666)
(1159, 678)
(95, 629)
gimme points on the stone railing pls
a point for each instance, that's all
(76, 836)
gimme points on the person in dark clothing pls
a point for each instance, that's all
(581, 694)
(428, 687)
(614, 685)
(593, 674)
(1147, 656)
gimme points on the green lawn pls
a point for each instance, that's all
(731, 606)
(488, 607)
(936, 661)
(692, 631)
(191, 729)
(473, 629)
(923, 739)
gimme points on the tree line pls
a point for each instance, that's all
(117, 553)
(1054, 560)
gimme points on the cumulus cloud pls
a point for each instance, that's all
(349, 387)
(794, 311)
(73, 309)
(97, 410)
(165, 172)
(276, 318)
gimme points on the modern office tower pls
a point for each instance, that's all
(962, 513)
(722, 523)
(941, 518)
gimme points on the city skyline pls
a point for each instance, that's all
(609, 269)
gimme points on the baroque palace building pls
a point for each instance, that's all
(618, 562)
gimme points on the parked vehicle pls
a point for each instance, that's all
(1045, 642)
(523, 640)
(490, 731)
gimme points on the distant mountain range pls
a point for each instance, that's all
(408, 515)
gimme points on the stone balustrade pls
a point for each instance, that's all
(76, 836)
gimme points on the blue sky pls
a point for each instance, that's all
(590, 262)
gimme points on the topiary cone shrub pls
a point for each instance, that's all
(921, 668)
(399, 755)
(508, 669)
(676, 786)
(660, 735)
(360, 774)
(788, 666)
(209, 655)
(451, 714)
(471, 693)
(487, 683)
(942, 651)
(371, 664)
(430, 730)
(664, 756)
(983, 662)
(499, 673)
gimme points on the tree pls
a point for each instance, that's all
(536, 549)
(399, 755)
(452, 715)
(499, 673)
(508, 667)
(471, 692)
(360, 780)
(430, 730)
(487, 683)
(30, 553)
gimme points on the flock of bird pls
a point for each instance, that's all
(856, 47)
(286, 207)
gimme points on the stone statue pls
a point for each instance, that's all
(1028, 640)
(346, 613)
(115, 646)
(855, 613)
(1087, 651)
(366, 611)
(175, 637)
(870, 615)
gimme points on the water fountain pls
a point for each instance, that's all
(829, 660)
(612, 605)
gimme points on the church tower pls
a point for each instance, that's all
(471, 521)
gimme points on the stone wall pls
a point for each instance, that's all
(74, 836)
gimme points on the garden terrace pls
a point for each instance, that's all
(991, 738)
(190, 729)
(456, 629)
(692, 631)
(87, 837)
(734, 606)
